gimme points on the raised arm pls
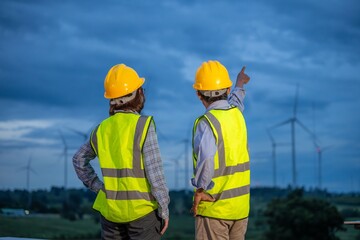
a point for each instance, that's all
(237, 95)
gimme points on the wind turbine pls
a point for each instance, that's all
(176, 164)
(186, 142)
(293, 120)
(28, 170)
(187, 162)
(319, 151)
(274, 144)
(273, 155)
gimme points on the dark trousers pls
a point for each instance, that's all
(147, 227)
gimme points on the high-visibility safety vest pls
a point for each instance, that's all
(118, 142)
(231, 166)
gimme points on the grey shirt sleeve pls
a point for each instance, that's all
(204, 149)
(236, 98)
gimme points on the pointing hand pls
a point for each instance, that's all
(242, 78)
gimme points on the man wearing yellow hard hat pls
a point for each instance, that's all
(133, 197)
(220, 156)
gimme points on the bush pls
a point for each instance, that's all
(294, 217)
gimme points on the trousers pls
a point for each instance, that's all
(147, 227)
(217, 229)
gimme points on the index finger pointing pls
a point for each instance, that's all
(243, 69)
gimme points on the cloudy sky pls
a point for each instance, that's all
(54, 56)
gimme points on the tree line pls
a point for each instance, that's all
(288, 213)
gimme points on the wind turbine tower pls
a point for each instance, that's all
(187, 161)
(176, 164)
(273, 155)
(28, 169)
(319, 151)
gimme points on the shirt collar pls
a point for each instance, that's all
(126, 111)
(220, 104)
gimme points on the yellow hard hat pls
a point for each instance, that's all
(121, 80)
(212, 75)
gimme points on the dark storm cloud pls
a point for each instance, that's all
(324, 23)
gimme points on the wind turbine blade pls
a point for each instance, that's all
(282, 123)
(305, 128)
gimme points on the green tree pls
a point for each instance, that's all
(296, 217)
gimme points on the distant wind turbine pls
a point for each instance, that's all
(186, 142)
(176, 164)
(273, 155)
(319, 150)
(187, 162)
(293, 120)
(274, 144)
(28, 169)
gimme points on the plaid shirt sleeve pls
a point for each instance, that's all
(84, 170)
(154, 172)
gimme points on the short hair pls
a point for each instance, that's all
(137, 104)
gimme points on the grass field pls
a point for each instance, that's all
(181, 228)
(48, 227)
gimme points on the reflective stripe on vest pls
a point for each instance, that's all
(232, 170)
(127, 194)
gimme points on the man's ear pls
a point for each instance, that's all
(201, 98)
(228, 91)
